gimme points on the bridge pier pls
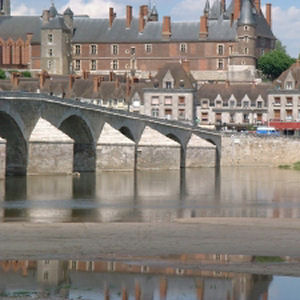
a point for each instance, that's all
(2, 158)
(49, 150)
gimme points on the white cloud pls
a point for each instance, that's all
(23, 10)
(93, 8)
(285, 27)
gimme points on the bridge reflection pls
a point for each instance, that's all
(151, 196)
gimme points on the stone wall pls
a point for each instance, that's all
(2, 158)
(50, 158)
(248, 150)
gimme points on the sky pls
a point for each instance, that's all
(286, 13)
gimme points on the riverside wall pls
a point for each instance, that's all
(2, 158)
(261, 151)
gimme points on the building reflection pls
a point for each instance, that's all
(135, 280)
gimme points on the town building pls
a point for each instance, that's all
(284, 102)
(223, 45)
(235, 106)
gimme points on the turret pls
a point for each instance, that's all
(5, 7)
(68, 18)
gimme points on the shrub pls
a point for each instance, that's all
(2, 74)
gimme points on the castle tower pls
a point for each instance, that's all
(243, 59)
(5, 7)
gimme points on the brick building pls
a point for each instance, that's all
(223, 45)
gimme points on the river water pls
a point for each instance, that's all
(158, 196)
(152, 196)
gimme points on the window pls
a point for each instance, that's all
(155, 112)
(183, 48)
(46, 276)
(220, 64)
(246, 39)
(289, 100)
(220, 50)
(219, 118)
(289, 85)
(47, 262)
(77, 65)
(50, 64)
(205, 103)
(277, 100)
(230, 49)
(277, 114)
(93, 65)
(50, 52)
(154, 101)
(93, 49)
(246, 28)
(132, 50)
(77, 49)
(115, 64)
(246, 118)
(168, 100)
(246, 50)
(181, 100)
(148, 48)
(168, 114)
(246, 104)
(204, 117)
(50, 38)
(259, 104)
(115, 49)
(232, 103)
(74, 265)
(259, 118)
(181, 114)
(289, 114)
(168, 84)
(218, 103)
(232, 117)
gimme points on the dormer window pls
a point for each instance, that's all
(168, 84)
(246, 104)
(181, 83)
(183, 48)
(246, 28)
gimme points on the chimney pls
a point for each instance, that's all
(15, 79)
(166, 29)
(112, 16)
(203, 27)
(71, 82)
(258, 6)
(142, 20)
(223, 5)
(46, 16)
(128, 16)
(111, 76)
(96, 84)
(42, 79)
(269, 13)
(117, 83)
(237, 9)
(85, 74)
(145, 10)
(186, 66)
(231, 19)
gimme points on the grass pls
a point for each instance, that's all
(268, 259)
(295, 166)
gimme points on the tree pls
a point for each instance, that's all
(279, 46)
(2, 74)
(273, 63)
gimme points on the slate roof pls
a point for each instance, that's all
(246, 17)
(294, 69)
(89, 30)
(211, 91)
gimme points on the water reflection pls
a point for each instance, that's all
(152, 196)
(75, 279)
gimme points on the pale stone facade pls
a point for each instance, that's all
(247, 150)
(2, 158)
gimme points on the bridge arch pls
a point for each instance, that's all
(84, 143)
(16, 145)
(127, 132)
(182, 148)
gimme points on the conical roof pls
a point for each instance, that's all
(246, 17)
(68, 12)
(53, 11)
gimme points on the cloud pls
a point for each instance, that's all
(93, 8)
(286, 28)
(23, 10)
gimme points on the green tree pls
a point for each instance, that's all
(279, 46)
(273, 63)
(2, 74)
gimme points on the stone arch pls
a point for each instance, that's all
(84, 143)
(16, 147)
(127, 132)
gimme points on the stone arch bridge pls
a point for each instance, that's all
(80, 122)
